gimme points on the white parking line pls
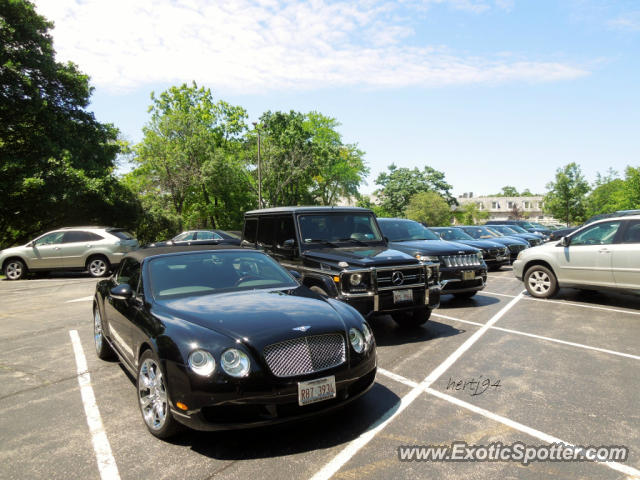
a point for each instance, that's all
(106, 463)
(559, 302)
(627, 470)
(83, 299)
(355, 445)
(540, 337)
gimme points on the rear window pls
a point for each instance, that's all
(122, 234)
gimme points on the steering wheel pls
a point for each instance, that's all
(246, 278)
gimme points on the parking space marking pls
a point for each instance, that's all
(106, 463)
(626, 469)
(607, 309)
(540, 337)
(83, 299)
(355, 445)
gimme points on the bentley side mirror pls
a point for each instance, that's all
(565, 242)
(122, 292)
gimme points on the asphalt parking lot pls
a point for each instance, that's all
(568, 370)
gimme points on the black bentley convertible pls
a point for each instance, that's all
(225, 338)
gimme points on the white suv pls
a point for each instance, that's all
(604, 254)
(94, 249)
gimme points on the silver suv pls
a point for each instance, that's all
(603, 254)
(94, 249)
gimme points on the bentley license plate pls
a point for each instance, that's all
(318, 390)
(468, 275)
(400, 296)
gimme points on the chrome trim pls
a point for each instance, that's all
(376, 303)
(175, 412)
(401, 287)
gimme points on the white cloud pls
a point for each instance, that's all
(271, 44)
(629, 22)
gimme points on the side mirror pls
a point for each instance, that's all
(386, 239)
(565, 241)
(122, 292)
(295, 274)
(288, 244)
(30, 244)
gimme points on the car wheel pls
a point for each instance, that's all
(15, 269)
(153, 397)
(103, 349)
(98, 266)
(465, 295)
(413, 318)
(319, 291)
(540, 282)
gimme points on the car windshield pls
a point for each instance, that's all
(538, 225)
(504, 230)
(517, 229)
(480, 232)
(406, 230)
(332, 228)
(453, 234)
(526, 225)
(219, 271)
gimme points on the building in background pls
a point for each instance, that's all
(510, 208)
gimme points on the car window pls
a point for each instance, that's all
(632, 233)
(121, 234)
(206, 235)
(129, 272)
(266, 233)
(184, 237)
(215, 272)
(405, 230)
(50, 239)
(285, 230)
(250, 230)
(338, 227)
(79, 236)
(600, 234)
(453, 234)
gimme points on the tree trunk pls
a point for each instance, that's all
(207, 202)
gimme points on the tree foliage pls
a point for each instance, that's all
(470, 214)
(430, 208)
(566, 196)
(398, 185)
(56, 160)
(611, 193)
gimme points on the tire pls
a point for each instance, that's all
(540, 282)
(15, 269)
(98, 266)
(319, 291)
(103, 349)
(153, 397)
(465, 295)
(413, 318)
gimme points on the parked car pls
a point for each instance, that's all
(462, 270)
(340, 253)
(530, 227)
(563, 232)
(494, 254)
(515, 245)
(94, 249)
(226, 338)
(199, 237)
(510, 231)
(603, 254)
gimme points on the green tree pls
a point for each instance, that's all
(398, 185)
(470, 214)
(430, 208)
(364, 201)
(508, 191)
(608, 194)
(632, 188)
(566, 196)
(56, 160)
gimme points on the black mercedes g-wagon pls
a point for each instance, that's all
(340, 252)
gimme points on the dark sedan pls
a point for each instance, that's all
(515, 245)
(199, 237)
(226, 338)
(494, 254)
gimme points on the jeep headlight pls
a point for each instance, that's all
(428, 258)
(479, 255)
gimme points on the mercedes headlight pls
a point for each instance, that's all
(235, 363)
(202, 362)
(357, 340)
(355, 279)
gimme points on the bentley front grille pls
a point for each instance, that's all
(304, 355)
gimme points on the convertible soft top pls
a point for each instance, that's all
(143, 253)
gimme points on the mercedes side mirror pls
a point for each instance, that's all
(122, 292)
(288, 244)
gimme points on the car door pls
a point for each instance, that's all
(625, 256)
(121, 313)
(75, 247)
(44, 252)
(587, 259)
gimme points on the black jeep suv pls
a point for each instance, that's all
(339, 252)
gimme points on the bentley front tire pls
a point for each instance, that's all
(103, 349)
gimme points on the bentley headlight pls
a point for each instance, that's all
(357, 340)
(368, 335)
(355, 279)
(235, 363)
(202, 362)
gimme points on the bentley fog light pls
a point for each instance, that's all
(235, 363)
(202, 362)
(355, 279)
(356, 339)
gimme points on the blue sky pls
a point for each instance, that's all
(492, 92)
